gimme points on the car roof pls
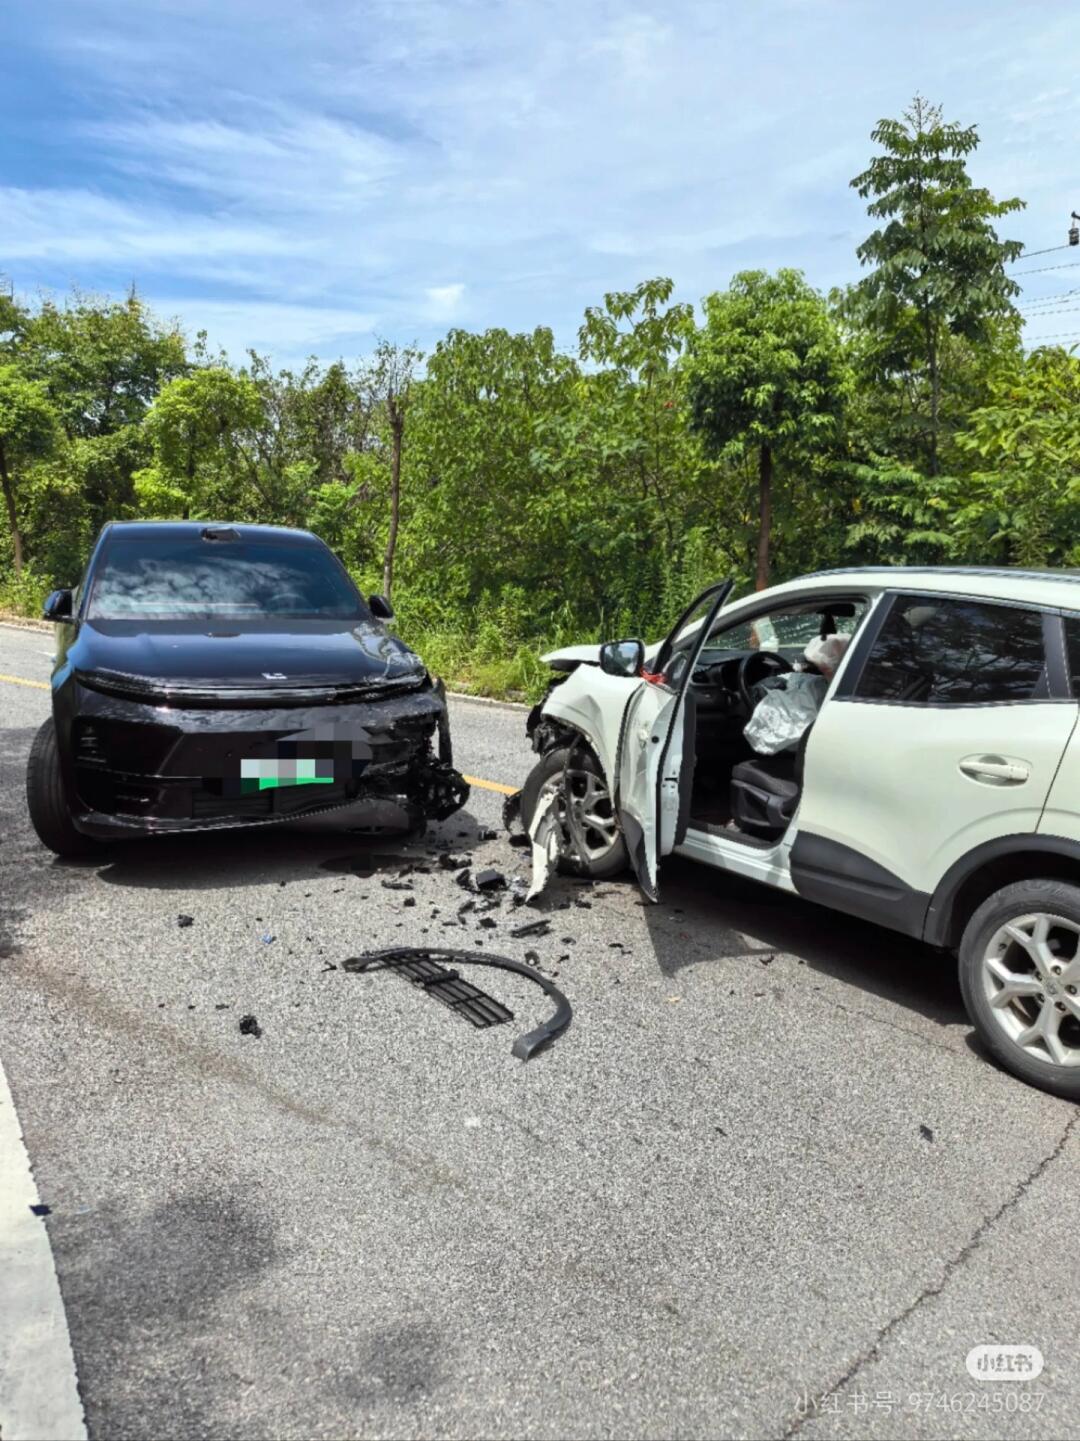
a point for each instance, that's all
(1056, 589)
(180, 528)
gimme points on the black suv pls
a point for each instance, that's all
(228, 675)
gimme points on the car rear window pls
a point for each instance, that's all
(190, 578)
(934, 651)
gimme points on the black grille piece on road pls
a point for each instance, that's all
(427, 958)
(460, 996)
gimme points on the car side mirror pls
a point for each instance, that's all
(622, 657)
(58, 607)
(380, 607)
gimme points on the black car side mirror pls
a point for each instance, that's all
(622, 657)
(58, 607)
(380, 607)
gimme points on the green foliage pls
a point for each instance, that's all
(767, 369)
(1024, 501)
(767, 374)
(937, 265)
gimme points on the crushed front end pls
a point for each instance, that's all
(144, 757)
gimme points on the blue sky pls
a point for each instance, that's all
(302, 177)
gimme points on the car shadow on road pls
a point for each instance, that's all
(743, 918)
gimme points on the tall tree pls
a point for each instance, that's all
(392, 374)
(27, 433)
(766, 375)
(938, 267)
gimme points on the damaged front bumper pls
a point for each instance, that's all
(133, 767)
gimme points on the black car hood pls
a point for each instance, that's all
(252, 657)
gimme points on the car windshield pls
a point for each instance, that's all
(192, 578)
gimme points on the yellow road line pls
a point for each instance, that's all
(19, 680)
(470, 780)
(491, 786)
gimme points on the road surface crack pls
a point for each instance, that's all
(928, 1293)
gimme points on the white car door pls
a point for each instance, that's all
(656, 751)
(945, 730)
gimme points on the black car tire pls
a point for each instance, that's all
(47, 799)
(1022, 899)
(583, 763)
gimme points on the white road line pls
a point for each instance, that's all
(39, 1395)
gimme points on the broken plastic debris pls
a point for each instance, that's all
(532, 928)
(249, 1026)
(268, 939)
(490, 880)
(183, 921)
(411, 958)
(545, 832)
(41, 1209)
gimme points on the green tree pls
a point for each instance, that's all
(766, 375)
(1023, 504)
(102, 361)
(390, 383)
(938, 267)
(28, 431)
(201, 430)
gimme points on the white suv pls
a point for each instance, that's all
(937, 792)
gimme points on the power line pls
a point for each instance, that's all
(1030, 254)
(1052, 299)
(1053, 335)
(1057, 310)
(1042, 269)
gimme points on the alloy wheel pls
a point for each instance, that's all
(585, 812)
(1031, 979)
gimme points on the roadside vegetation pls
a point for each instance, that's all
(512, 496)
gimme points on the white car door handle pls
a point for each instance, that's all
(996, 770)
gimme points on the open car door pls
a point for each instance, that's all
(655, 764)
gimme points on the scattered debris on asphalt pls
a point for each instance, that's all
(490, 880)
(926, 1133)
(532, 928)
(41, 1209)
(440, 981)
(268, 939)
(397, 885)
(249, 1026)
(184, 921)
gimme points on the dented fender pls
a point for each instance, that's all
(592, 704)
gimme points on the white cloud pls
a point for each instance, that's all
(80, 226)
(444, 301)
(282, 331)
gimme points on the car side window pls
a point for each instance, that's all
(786, 630)
(937, 651)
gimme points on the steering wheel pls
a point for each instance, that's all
(756, 666)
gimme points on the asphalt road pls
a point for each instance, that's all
(765, 1184)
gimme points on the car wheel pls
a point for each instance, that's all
(594, 844)
(1020, 977)
(47, 799)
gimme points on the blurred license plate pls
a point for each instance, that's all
(268, 774)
